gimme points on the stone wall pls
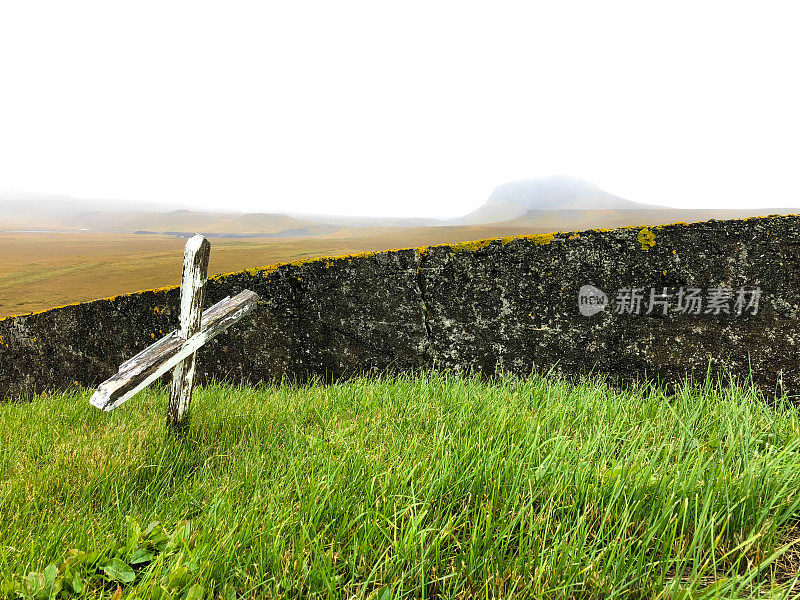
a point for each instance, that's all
(508, 304)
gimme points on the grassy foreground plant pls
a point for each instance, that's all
(432, 486)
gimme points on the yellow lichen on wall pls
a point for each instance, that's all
(327, 261)
(470, 246)
(646, 238)
(108, 299)
(541, 239)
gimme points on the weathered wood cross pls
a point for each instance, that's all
(177, 349)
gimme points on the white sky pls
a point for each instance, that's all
(406, 108)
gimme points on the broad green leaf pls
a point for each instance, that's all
(142, 555)
(180, 535)
(76, 584)
(160, 593)
(177, 577)
(50, 574)
(153, 527)
(195, 592)
(74, 557)
(160, 541)
(8, 588)
(119, 570)
(386, 594)
(612, 473)
(34, 582)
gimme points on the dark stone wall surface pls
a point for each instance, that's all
(507, 304)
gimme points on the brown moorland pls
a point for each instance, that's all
(43, 270)
(40, 270)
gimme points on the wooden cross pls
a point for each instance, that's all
(177, 350)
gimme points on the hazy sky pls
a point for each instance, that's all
(404, 108)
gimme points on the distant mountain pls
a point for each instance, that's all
(50, 210)
(514, 199)
(186, 221)
(356, 221)
(531, 205)
(27, 211)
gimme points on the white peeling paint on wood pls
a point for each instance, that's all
(147, 366)
(193, 283)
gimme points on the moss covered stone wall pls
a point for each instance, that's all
(507, 304)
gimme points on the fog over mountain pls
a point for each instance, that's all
(514, 199)
(531, 205)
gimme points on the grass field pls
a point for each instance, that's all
(42, 270)
(421, 487)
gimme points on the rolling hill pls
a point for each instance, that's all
(538, 205)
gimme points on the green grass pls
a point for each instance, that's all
(423, 487)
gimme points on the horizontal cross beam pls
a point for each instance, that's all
(154, 361)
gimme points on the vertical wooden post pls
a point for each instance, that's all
(193, 284)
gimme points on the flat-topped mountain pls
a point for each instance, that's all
(530, 206)
(57, 250)
(514, 199)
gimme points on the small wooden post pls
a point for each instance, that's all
(193, 284)
(177, 349)
(151, 363)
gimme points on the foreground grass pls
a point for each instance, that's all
(386, 488)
